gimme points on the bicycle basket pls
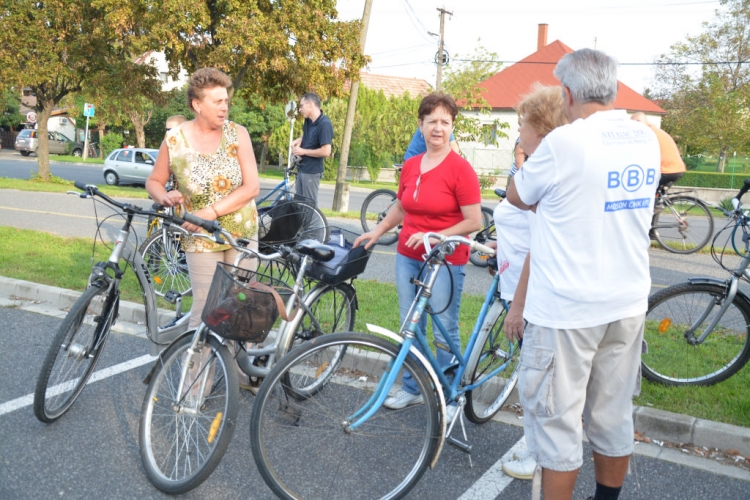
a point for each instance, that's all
(243, 305)
(289, 221)
(347, 262)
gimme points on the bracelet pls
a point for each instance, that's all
(215, 212)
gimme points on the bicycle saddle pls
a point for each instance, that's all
(318, 251)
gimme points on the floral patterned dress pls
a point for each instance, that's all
(205, 179)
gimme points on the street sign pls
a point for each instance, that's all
(290, 110)
(88, 110)
(31, 117)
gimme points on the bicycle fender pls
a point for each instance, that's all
(716, 281)
(431, 372)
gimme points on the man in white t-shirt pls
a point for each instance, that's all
(591, 184)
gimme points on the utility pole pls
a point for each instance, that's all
(341, 193)
(439, 59)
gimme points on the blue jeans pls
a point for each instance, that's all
(406, 268)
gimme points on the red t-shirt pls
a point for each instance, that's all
(442, 192)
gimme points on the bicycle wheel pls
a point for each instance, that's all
(684, 226)
(374, 209)
(183, 434)
(332, 309)
(314, 223)
(166, 262)
(491, 351)
(487, 233)
(382, 458)
(74, 353)
(673, 358)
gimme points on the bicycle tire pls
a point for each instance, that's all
(684, 226)
(491, 350)
(333, 309)
(314, 223)
(166, 262)
(74, 352)
(179, 445)
(480, 259)
(373, 211)
(671, 359)
(383, 458)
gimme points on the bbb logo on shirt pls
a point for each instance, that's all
(631, 179)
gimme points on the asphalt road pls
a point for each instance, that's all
(92, 451)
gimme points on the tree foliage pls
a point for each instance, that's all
(708, 102)
(55, 47)
(274, 48)
(462, 81)
(10, 109)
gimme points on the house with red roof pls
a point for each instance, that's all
(505, 90)
(393, 86)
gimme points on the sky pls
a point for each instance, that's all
(633, 31)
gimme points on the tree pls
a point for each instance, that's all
(275, 48)
(10, 109)
(259, 119)
(55, 47)
(708, 102)
(462, 83)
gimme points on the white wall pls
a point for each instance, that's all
(158, 60)
(61, 124)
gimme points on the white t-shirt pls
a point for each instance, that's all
(594, 182)
(513, 227)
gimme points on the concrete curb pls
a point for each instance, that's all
(656, 424)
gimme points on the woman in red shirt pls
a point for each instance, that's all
(438, 192)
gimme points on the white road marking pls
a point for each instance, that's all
(28, 400)
(494, 481)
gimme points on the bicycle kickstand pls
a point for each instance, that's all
(461, 444)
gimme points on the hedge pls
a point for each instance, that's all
(712, 180)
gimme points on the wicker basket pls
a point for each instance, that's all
(243, 305)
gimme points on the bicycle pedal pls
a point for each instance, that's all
(460, 444)
(171, 296)
(441, 346)
(289, 414)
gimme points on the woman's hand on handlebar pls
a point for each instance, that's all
(171, 199)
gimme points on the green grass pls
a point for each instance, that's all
(28, 255)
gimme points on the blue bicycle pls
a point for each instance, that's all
(364, 449)
(285, 217)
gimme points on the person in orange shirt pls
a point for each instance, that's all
(672, 166)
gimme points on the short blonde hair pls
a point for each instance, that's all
(543, 109)
(205, 79)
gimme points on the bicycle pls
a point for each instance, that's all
(698, 333)
(301, 218)
(372, 451)
(683, 223)
(488, 233)
(80, 340)
(191, 404)
(163, 253)
(93, 151)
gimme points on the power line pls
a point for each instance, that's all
(621, 64)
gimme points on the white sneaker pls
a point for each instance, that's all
(522, 451)
(402, 399)
(520, 469)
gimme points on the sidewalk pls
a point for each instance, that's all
(667, 436)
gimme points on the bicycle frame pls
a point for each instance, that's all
(410, 331)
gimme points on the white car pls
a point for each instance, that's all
(129, 165)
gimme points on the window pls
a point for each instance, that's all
(164, 77)
(125, 155)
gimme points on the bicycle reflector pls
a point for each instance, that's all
(664, 325)
(214, 427)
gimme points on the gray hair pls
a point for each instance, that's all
(590, 75)
(313, 98)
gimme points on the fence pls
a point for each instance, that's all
(8, 139)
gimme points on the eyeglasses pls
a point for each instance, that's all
(416, 187)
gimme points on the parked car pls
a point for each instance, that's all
(129, 165)
(27, 142)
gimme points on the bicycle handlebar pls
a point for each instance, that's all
(736, 200)
(216, 233)
(445, 240)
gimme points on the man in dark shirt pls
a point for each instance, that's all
(313, 147)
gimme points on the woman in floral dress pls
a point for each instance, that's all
(214, 165)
